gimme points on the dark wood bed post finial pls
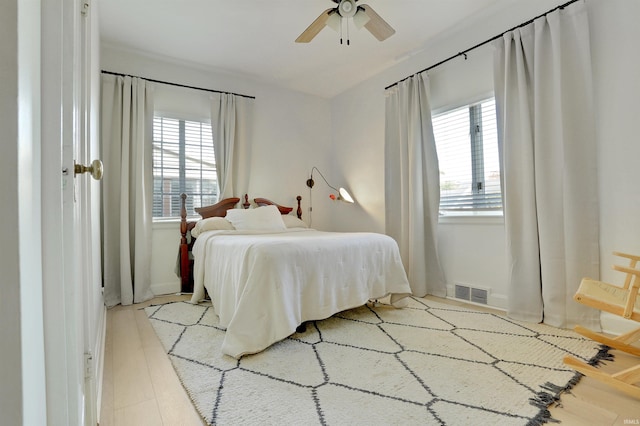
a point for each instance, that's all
(183, 217)
(184, 246)
(246, 203)
(299, 211)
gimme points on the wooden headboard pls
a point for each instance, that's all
(282, 209)
(218, 209)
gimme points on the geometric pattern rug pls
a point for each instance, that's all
(428, 364)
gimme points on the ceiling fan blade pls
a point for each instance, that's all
(376, 25)
(315, 27)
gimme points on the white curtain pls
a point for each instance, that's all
(547, 147)
(232, 124)
(127, 192)
(412, 183)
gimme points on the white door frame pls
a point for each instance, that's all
(22, 395)
(63, 360)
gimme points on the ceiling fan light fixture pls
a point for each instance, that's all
(363, 16)
(334, 21)
(360, 19)
(347, 8)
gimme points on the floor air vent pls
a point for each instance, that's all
(462, 292)
(475, 295)
(479, 295)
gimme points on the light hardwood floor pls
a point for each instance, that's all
(141, 388)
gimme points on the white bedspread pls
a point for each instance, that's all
(263, 285)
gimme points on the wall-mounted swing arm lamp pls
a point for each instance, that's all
(342, 194)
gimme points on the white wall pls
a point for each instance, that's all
(473, 251)
(11, 403)
(616, 61)
(291, 135)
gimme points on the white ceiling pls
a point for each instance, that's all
(256, 37)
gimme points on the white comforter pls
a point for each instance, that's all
(263, 285)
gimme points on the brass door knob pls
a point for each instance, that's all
(95, 169)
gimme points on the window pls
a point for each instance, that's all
(183, 161)
(467, 146)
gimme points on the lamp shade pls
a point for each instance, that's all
(345, 196)
(360, 19)
(334, 21)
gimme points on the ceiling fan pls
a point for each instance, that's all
(363, 16)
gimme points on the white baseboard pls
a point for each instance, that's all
(166, 288)
(498, 301)
(613, 324)
(494, 300)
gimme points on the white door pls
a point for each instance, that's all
(73, 308)
(87, 211)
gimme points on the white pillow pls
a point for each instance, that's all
(266, 218)
(293, 222)
(211, 224)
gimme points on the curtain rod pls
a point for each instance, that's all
(176, 84)
(464, 52)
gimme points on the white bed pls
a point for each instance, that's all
(263, 284)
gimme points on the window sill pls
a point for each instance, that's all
(166, 224)
(472, 218)
(170, 223)
(160, 222)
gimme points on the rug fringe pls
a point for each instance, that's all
(602, 355)
(544, 399)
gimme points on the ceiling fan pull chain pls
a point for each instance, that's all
(348, 38)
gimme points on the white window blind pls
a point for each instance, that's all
(467, 146)
(183, 161)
